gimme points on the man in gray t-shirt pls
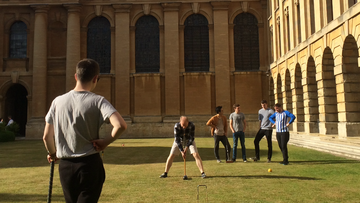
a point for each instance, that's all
(265, 129)
(238, 126)
(72, 134)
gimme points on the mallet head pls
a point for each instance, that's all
(185, 177)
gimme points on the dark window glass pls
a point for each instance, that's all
(99, 43)
(246, 42)
(196, 43)
(18, 40)
(147, 45)
(329, 7)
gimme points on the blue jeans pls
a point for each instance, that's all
(236, 136)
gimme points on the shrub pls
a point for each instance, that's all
(7, 136)
(14, 127)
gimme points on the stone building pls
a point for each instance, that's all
(315, 63)
(158, 59)
(161, 59)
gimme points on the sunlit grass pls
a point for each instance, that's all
(132, 175)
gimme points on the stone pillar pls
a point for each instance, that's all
(38, 105)
(122, 58)
(310, 106)
(304, 19)
(172, 63)
(221, 49)
(40, 62)
(328, 116)
(338, 8)
(73, 43)
(347, 88)
(297, 101)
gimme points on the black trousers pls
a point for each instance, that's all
(82, 178)
(283, 139)
(260, 134)
(224, 140)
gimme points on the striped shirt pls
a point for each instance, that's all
(281, 120)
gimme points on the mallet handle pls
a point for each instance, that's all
(51, 181)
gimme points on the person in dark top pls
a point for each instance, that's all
(184, 133)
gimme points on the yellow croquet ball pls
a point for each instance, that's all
(269, 170)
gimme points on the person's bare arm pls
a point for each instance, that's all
(119, 126)
(49, 141)
(231, 126)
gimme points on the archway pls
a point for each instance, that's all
(16, 105)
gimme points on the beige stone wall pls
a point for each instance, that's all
(326, 62)
(150, 103)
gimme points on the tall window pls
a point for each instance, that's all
(246, 42)
(298, 23)
(352, 2)
(329, 8)
(288, 32)
(147, 45)
(196, 43)
(271, 47)
(99, 43)
(270, 7)
(279, 41)
(18, 40)
(312, 17)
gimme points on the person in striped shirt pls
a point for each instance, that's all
(282, 131)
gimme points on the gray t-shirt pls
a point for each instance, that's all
(77, 117)
(238, 121)
(264, 115)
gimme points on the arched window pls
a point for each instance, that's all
(147, 45)
(18, 40)
(196, 43)
(99, 43)
(246, 42)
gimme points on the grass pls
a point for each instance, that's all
(132, 175)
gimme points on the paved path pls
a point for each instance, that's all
(345, 147)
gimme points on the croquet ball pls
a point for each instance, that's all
(269, 170)
(123, 145)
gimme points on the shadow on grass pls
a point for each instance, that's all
(267, 177)
(6, 197)
(317, 162)
(145, 155)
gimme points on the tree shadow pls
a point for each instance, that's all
(317, 162)
(267, 177)
(146, 155)
(6, 197)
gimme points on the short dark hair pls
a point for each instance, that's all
(278, 105)
(263, 101)
(86, 70)
(218, 109)
(236, 105)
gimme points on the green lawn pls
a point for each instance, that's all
(132, 175)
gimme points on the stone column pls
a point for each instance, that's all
(172, 63)
(38, 105)
(40, 62)
(221, 54)
(297, 104)
(73, 43)
(310, 105)
(122, 58)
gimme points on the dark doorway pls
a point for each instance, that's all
(16, 105)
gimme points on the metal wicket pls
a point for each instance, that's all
(198, 193)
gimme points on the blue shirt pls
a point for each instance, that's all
(281, 120)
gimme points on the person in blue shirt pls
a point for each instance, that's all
(282, 131)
